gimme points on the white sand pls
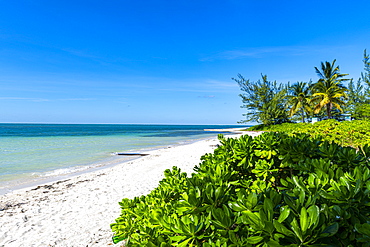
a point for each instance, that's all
(79, 211)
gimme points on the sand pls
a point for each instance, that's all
(78, 211)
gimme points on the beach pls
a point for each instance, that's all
(78, 211)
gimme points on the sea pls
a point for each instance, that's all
(32, 154)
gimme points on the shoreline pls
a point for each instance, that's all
(78, 211)
(69, 172)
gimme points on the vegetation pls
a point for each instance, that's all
(272, 103)
(273, 190)
(354, 133)
(299, 98)
(301, 185)
(328, 91)
(264, 100)
(365, 76)
(359, 93)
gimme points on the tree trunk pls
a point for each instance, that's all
(301, 100)
(328, 110)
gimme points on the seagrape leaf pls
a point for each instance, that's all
(236, 206)
(119, 238)
(363, 228)
(269, 208)
(330, 230)
(297, 230)
(272, 243)
(303, 220)
(313, 213)
(254, 219)
(184, 243)
(284, 213)
(233, 237)
(282, 229)
(251, 200)
(254, 239)
(298, 182)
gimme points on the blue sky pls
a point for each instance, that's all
(164, 61)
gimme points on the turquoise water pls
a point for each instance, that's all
(33, 152)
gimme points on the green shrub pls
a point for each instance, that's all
(273, 190)
(354, 133)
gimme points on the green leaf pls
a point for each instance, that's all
(313, 213)
(252, 200)
(254, 239)
(330, 230)
(326, 195)
(254, 219)
(269, 208)
(233, 237)
(297, 230)
(178, 238)
(284, 213)
(302, 196)
(273, 243)
(363, 228)
(299, 183)
(282, 229)
(218, 171)
(303, 220)
(236, 206)
(150, 244)
(184, 243)
(119, 238)
(226, 219)
(284, 182)
(219, 192)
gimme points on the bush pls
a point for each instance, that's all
(273, 190)
(348, 133)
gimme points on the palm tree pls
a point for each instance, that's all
(299, 99)
(329, 91)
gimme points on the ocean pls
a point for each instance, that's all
(36, 153)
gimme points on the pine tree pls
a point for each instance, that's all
(264, 100)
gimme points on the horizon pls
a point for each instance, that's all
(241, 124)
(164, 62)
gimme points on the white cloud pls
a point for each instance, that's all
(274, 51)
(77, 99)
(207, 96)
(24, 99)
(221, 84)
(44, 100)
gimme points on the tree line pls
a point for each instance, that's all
(269, 102)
